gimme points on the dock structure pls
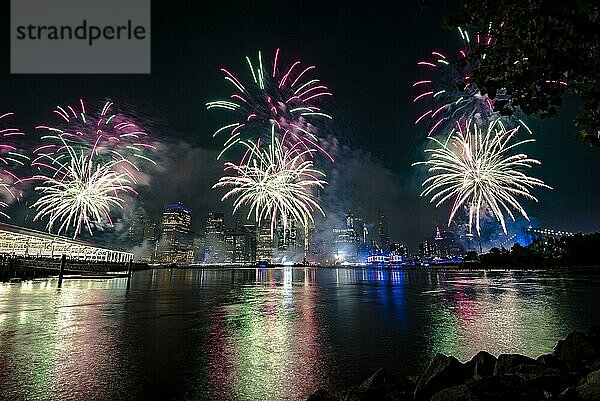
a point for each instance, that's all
(28, 243)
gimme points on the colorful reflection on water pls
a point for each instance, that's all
(269, 334)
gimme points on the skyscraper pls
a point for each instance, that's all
(235, 244)
(149, 241)
(345, 245)
(427, 250)
(250, 233)
(214, 237)
(135, 230)
(265, 243)
(346, 241)
(175, 239)
(289, 247)
(382, 231)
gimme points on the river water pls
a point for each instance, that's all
(270, 334)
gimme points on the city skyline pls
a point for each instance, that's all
(373, 151)
(236, 241)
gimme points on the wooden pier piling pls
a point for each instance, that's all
(63, 261)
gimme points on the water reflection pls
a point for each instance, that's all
(246, 334)
(272, 339)
(48, 348)
(498, 312)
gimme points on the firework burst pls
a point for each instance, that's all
(475, 169)
(448, 94)
(107, 134)
(80, 192)
(276, 183)
(11, 159)
(285, 97)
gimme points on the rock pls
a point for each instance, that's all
(481, 365)
(506, 362)
(501, 388)
(593, 337)
(454, 393)
(543, 378)
(568, 395)
(575, 351)
(386, 383)
(588, 388)
(551, 361)
(442, 372)
(365, 394)
(322, 395)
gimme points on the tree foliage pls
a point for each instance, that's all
(537, 45)
(577, 250)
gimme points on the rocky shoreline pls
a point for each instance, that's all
(570, 373)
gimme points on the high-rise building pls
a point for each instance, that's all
(235, 244)
(290, 246)
(350, 220)
(250, 237)
(198, 249)
(347, 241)
(135, 230)
(149, 241)
(175, 240)
(265, 243)
(447, 245)
(398, 249)
(427, 250)
(383, 235)
(214, 237)
(345, 245)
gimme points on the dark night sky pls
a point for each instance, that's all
(366, 55)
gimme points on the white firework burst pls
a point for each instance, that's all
(475, 168)
(276, 183)
(81, 192)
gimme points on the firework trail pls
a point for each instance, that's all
(276, 183)
(448, 94)
(109, 135)
(11, 159)
(80, 192)
(285, 97)
(475, 169)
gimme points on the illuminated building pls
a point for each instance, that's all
(287, 238)
(378, 259)
(19, 241)
(149, 241)
(347, 241)
(350, 220)
(345, 245)
(214, 237)
(198, 249)
(447, 245)
(250, 232)
(265, 243)
(398, 249)
(383, 234)
(175, 239)
(289, 245)
(427, 250)
(149, 230)
(235, 245)
(135, 230)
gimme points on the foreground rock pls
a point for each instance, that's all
(570, 373)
